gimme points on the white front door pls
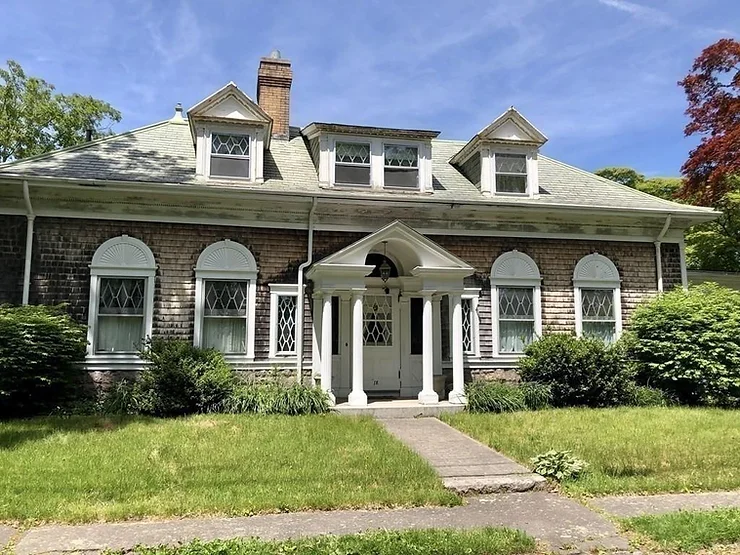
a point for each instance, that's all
(381, 342)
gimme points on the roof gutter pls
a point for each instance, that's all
(300, 301)
(31, 217)
(658, 256)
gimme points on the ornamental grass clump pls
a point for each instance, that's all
(497, 396)
(277, 398)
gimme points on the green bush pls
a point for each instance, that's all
(40, 348)
(579, 371)
(688, 344)
(497, 396)
(558, 465)
(645, 396)
(179, 379)
(277, 398)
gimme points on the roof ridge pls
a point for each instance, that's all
(81, 146)
(626, 187)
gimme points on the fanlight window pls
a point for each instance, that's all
(352, 163)
(597, 295)
(230, 155)
(511, 173)
(401, 166)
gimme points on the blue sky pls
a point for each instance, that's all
(598, 77)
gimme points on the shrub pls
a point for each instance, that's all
(688, 344)
(645, 396)
(558, 465)
(506, 397)
(180, 379)
(277, 398)
(579, 371)
(39, 352)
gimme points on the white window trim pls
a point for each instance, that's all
(228, 261)
(488, 170)
(473, 294)
(276, 291)
(377, 162)
(412, 144)
(595, 271)
(515, 269)
(120, 257)
(256, 150)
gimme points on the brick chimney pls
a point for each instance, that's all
(273, 92)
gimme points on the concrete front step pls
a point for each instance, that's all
(403, 408)
(507, 483)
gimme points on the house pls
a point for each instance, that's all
(371, 260)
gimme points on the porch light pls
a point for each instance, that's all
(385, 268)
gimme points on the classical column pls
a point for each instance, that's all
(457, 395)
(427, 395)
(437, 338)
(326, 358)
(316, 336)
(357, 397)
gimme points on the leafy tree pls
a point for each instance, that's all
(666, 188)
(34, 119)
(625, 176)
(713, 93)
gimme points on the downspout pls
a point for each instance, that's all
(299, 307)
(658, 257)
(29, 243)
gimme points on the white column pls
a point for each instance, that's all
(357, 397)
(457, 395)
(437, 338)
(315, 337)
(427, 395)
(326, 358)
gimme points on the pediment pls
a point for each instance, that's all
(230, 104)
(511, 126)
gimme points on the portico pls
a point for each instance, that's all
(376, 325)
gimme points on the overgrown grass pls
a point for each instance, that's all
(629, 450)
(484, 541)
(92, 468)
(689, 531)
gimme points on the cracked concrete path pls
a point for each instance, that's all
(625, 506)
(464, 464)
(552, 519)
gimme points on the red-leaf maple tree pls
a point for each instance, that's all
(713, 93)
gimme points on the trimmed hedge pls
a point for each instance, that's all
(687, 343)
(580, 371)
(40, 347)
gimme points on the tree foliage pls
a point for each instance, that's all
(622, 175)
(34, 119)
(713, 92)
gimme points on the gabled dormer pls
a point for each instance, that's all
(374, 158)
(230, 132)
(502, 158)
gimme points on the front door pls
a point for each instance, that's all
(380, 338)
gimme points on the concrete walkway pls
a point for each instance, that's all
(465, 465)
(625, 506)
(557, 521)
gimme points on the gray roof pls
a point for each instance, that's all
(164, 153)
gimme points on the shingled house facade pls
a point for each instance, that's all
(374, 261)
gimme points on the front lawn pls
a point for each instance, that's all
(689, 531)
(485, 541)
(629, 450)
(93, 468)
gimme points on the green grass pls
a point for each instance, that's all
(484, 541)
(629, 450)
(689, 531)
(92, 468)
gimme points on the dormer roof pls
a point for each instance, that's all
(510, 128)
(315, 128)
(229, 104)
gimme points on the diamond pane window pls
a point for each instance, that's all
(225, 316)
(598, 317)
(401, 166)
(121, 296)
(230, 155)
(511, 173)
(516, 318)
(352, 163)
(286, 307)
(378, 320)
(467, 324)
(120, 325)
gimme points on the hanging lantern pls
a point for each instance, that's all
(385, 268)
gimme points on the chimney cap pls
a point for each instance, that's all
(275, 54)
(177, 118)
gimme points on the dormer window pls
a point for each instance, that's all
(352, 163)
(401, 166)
(230, 156)
(510, 174)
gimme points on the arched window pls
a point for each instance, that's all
(597, 297)
(121, 296)
(515, 302)
(225, 297)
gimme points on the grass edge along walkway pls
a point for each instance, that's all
(482, 541)
(688, 531)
